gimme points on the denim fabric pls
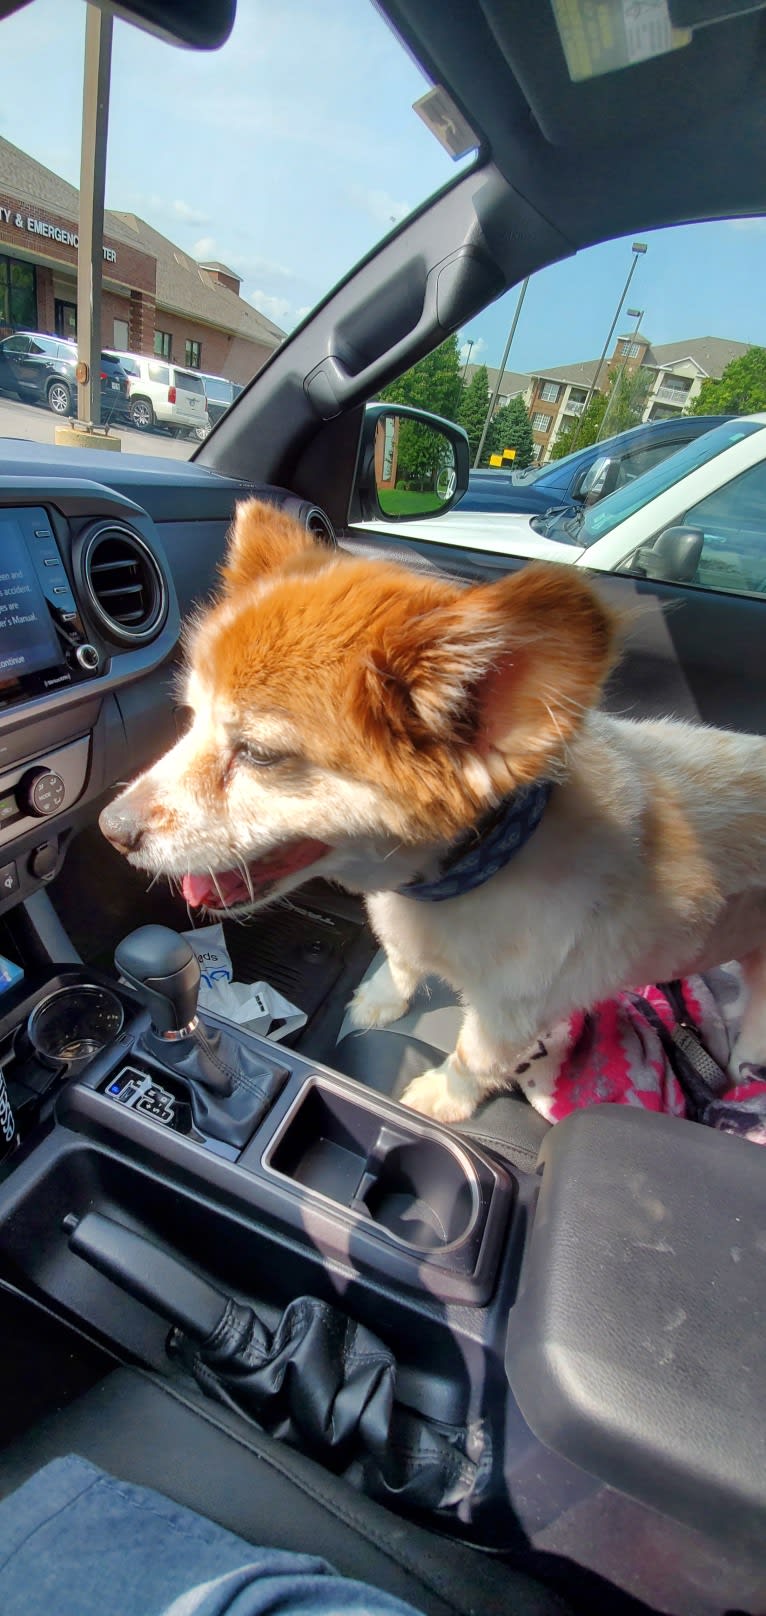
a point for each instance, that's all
(76, 1542)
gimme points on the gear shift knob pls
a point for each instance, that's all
(165, 973)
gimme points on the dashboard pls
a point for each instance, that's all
(99, 564)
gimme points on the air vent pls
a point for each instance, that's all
(320, 527)
(124, 583)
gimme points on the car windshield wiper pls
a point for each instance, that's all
(555, 524)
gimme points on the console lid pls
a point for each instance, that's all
(637, 1346)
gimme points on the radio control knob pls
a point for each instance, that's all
(88, 658)
(41, 792)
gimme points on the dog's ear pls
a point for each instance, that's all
(507, 671)
(264, 539)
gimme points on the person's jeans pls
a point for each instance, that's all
(76, 1542)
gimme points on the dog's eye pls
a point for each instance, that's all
(256, 757)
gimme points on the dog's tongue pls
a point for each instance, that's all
(230, 886)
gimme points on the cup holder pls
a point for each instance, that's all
(401, 1177)
(422, 1195)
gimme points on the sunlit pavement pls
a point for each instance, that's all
(37, 424)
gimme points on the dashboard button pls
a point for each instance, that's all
(9, 880)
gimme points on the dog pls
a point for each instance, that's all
(383, 728)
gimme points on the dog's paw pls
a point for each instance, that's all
(443, 1093)
(376, 1003)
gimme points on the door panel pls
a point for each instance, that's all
(688, 653)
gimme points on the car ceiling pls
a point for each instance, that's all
(677, 138)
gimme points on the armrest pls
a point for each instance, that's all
(637, 1346)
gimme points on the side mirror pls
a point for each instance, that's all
(599, 480)
(411, 464)
(673, 558)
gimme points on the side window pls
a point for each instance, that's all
(16, 345)
(733, 520)
(159, 373)
(634, 465)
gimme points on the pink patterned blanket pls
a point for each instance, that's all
(622, 1053)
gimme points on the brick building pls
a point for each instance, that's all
(675, 372)
(155, 297)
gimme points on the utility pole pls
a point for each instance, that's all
(90, 254)
(633, 314)
(501, 372)
(638, 248)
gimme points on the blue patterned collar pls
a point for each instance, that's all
(484, 851)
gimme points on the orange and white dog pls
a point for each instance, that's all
(360, 721)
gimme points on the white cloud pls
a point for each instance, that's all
(300, 314)
(472, 351)
(382, 208)
(278, 309)
(205, 248)
(190, 215)
(757, 226)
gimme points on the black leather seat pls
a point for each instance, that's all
(144, 1430)
(388, 1058)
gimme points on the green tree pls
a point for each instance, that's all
(741, 389)
(474, 404)
(589, 424)
(626, 399)
(432, 384)
(510, 428)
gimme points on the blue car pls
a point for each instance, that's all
(587, 475)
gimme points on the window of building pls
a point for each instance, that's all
(549, 392)
(193, 352)
(18, 294)
(540, 421)
(163, 344)
(121, 334)
(631, 350)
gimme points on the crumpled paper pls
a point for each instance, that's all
(254, 1005)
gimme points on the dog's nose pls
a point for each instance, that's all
(120, 829)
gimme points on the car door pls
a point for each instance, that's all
(12, 353)
(35, 366)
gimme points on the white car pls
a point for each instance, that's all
(164, 394)
(698, 517)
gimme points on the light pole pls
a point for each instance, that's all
(633, 314)
(501, 372)
(470, 343)
(638, 248)
(90, 253)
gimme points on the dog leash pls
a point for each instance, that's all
(701, 1078)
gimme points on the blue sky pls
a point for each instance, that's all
(289, 153)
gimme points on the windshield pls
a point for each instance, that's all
(617, 507)
(241, 186)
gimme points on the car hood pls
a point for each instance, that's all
(503, 532)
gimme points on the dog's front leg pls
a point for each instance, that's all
(384, 997)
(477, 1067)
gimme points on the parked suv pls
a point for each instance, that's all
(163, 394)
(40, 369)
(219, 393)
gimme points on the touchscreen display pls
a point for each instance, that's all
(27, 638)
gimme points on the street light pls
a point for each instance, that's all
(615, 390)
(501, 371)
(470, 343)
(638, 249)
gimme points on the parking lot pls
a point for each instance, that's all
(38, 425)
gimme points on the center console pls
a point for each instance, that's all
(589, 1330)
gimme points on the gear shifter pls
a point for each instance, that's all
(230, 1083)
(164, 970)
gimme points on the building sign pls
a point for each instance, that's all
(54, 232)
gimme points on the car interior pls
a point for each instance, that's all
(482, 1382)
